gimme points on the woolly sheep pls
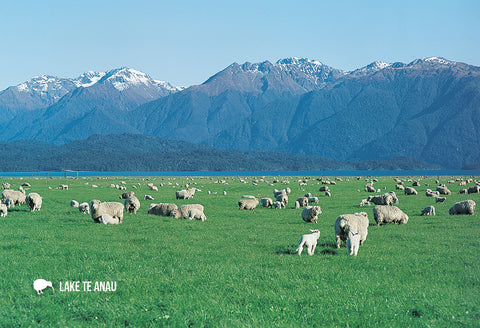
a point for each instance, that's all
(385, 199)
(308, 194)
(18, 197)
(474, 190)
(430, 193)
(323, 188)
(148, 197)
(463, 191)
(387, 214)
(353, 243)
(310, 213)
(108, 219)
(440, 199)
(195, 213)
(313, 200)
(303, 201)
(429, 210)
(463, 207)
(364, 202)
(247, 204)
(162, 209)
(74, 203)
(182, 211)
(443, 190)
(132, 204)
(34, 201)
(328, 194)
(185, 193)
(370, 188)
(309, 241)
(84, 208)
(97, 209)
(127, 194)
(3, 210)
(283, 198)
(266, 202)
(278, 204)
(297, 204)
(410, 191)
(5, 185)
(347, 224)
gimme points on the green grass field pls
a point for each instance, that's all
(238, 268)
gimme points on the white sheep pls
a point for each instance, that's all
(278, 205)
(74, 203)
(353, 243)
(364, 202)
(108, 219)
(266, 202)
(440, 199)
(429, 210)
(347, 224)
(162, 209)
(247, 204)
(18, 197)
(183, 211)
(385, 199)
(84, 208)
(148, 197)
(410, 191)
(34, 201)
(195, 213)
(282, 198)
(10, 203)
(443, 190)
(313, 200)
(387, 214)
(303, 201)
(97, 209)
(463, 207)
(132, 204)
(3, 210)
(185, 193)
(310, 213)
(310, 241)
(127, 194)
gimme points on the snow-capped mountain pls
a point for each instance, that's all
(88, 79)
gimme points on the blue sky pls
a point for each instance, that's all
(185, 42)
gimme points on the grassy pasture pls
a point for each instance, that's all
(238, 268)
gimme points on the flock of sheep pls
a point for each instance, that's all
(352, 229)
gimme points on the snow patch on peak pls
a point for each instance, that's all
(298, 61)
(88, 79)
(123, 78)
(438, 60)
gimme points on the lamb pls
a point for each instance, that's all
(429, 210)
(278, 204)
(443, 190)
(195, 213)
(74, 203)
(310, 213)
(247, 204)
(310, 241)
(385, 199)
(387, 214)
(347, 224)
(84, 208)
(108, 219)
(303, 201)
(114, 209)
(266, 202)
(18, 197)
(463, 207)
(353, 244)
(34, 201)
(183, 211)
(132, 204)
(127, 194)
(3, 210)
(162, 209)
(148, 197)
(410, 191)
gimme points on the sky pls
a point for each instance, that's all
(186, 42)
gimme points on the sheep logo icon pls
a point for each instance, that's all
(40, 284)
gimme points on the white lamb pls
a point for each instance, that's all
(310, 241)
(353, 244)
(108, 219)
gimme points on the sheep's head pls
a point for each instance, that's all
(94, 204)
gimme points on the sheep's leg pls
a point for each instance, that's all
(339, 241)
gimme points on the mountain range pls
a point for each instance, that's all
(428, 110)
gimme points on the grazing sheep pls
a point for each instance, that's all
(247, 204)
(313, 200)
(474, 190)
(324, 188)
(185, 193)
(127, 194)
(309, 241)
(353, 243)
(132, 204)
(63, 187)
(387, 214)
(430, 193)
(162, 209)
(3, 210)
(385, 199)
(303, 201)
(364, 202)
(429, 210)
(74, 203)
(183, 211)
(370, 188)
(84, 208)
(285, 191)
(440, 199)
(9, 202)
(195, 213)
(266, 202)
(108, 219)
(97, 209)
(5, 185)
(347, 224)
(278, 204)
(308, 194)
(463, 191)
(443, 190)
(399, 186)
(297, 204)
(310, 213)
(463, 207)
(410, 191)
(328, 194)
(148, 197)
(283, 198)
(34, 201)
(18, 197)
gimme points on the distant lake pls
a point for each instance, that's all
(247, 173)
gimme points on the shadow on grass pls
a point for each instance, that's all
(289, 250)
